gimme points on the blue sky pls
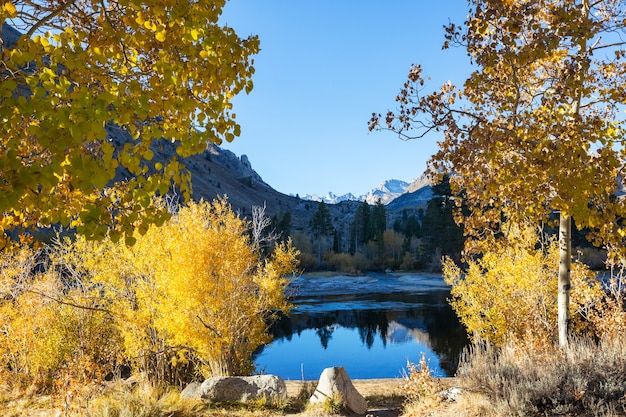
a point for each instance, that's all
(324, 67)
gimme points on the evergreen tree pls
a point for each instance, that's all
(377, 222)
(284, 225)
(322, 222)
(359, 231)
(322, 227)
(443, 236)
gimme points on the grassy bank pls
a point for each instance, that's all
(586, 379)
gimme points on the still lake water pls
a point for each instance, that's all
(371, 325)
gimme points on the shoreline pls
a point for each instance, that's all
(368, 387)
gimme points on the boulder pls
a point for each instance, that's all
(191, 391)
(335, 383)
(451, 394)
(244, 388)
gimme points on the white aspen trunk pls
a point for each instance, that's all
(565, 265)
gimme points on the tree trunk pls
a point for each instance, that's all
(565, 264)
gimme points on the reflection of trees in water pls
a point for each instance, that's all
(432, 322)
(325, 334)
(370, 323)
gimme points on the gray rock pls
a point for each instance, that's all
(191, 391)
(335, 383)
(451, 394)
(244, 389)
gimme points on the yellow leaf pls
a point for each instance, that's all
(160, 36)
(194, 34)
(10, 9)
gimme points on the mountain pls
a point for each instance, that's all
(417, 194)
(216, 172)
(331, 198)
(385, 192)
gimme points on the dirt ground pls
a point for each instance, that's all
(384, 397)
(367, 387)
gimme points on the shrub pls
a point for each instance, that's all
(346, 263)
(608, 315)
(511, 293)
(420, 386)
(53, 334)
(586, 378)
(194, 290)
(194, 296)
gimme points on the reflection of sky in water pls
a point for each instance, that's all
(371, 325)
(345, 348)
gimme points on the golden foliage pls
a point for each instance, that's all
(48, 341)
(537, 125)
(420, 388)
(212, 293)
(191, 296)
(609, 314)
(153, 69)
(510, 292)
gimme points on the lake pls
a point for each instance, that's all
(371, 325)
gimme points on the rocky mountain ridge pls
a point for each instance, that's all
(216, 172)
(386, 192)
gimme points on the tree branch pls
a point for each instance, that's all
(207, 326)
(47, 18)
(67, 303)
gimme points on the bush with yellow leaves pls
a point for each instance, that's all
(193, 296)
(510, 292)
(52, 333)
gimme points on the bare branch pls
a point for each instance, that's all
(53, 14)
(260, 222)
(68, 303)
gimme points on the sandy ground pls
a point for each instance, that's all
(367, 387)
(384, 397)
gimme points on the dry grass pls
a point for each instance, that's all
(586, 379)
(141, 399)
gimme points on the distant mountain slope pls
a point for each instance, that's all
(418, 198)
(385, 192)
(218, 172)
(417, 194)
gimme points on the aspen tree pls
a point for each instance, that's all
(165, 70)
(538, 126)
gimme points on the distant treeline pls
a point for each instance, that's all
(415, 239)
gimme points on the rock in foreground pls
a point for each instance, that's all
(243, 389)
(335, 384)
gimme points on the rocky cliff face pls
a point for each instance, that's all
(10, 36)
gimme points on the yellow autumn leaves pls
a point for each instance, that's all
(191, 297)
(8, 9)
(509, 294)
(92, 90)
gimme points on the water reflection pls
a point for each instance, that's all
(373, 324)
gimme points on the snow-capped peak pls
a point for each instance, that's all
(385, 192)
(330, 198)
